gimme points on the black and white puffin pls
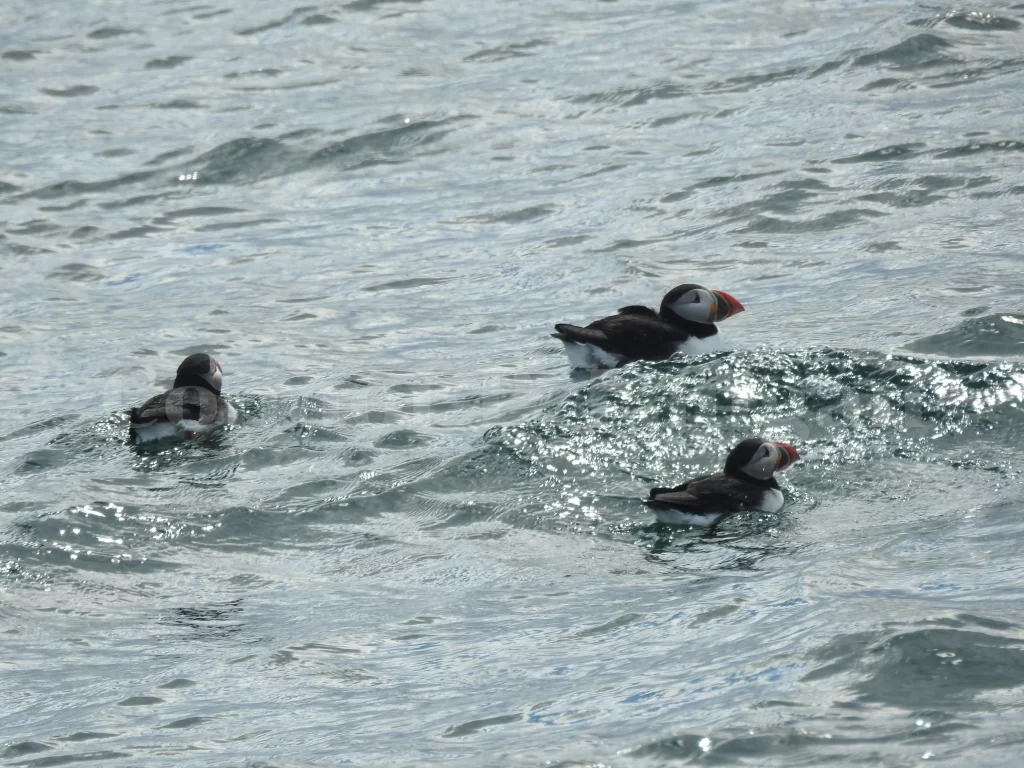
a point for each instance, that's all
(747, 482)
(193, 407)
(685, 323)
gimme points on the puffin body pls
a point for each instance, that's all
(685, 323)
(192, 408)
(746, 483)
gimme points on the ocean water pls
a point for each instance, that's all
(426, 545)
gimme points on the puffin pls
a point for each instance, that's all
(684, 323)
(193, 407)
(747, 482)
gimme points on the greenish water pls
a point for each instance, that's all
(426, 546)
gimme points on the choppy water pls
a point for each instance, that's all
(426, 546)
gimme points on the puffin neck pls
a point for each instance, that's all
(700, 330)
(771, 482)
(194, 380)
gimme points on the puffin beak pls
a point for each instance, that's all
(787, 455)
(727, 305)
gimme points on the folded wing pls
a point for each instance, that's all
(711, 493)
(635, 333)
(153, 411)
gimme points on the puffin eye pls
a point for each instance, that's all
(696, 299)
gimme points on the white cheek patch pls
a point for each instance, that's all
(697, 312)
(762, 467)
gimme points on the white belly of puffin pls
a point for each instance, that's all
(158, 431)
(771, 502)
(589, 356)
(677, 517)
(695, 346)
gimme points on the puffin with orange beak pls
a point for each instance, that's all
(747, 482)
(684, 323)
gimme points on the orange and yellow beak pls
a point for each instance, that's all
(787, 455)
(726, 306)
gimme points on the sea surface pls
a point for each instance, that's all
(425, 546)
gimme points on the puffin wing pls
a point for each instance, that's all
(151, 412)
(682, 487)
(638, 309)
(588, 335)
(183, 403)
(594, 333)
(677, 500)
(711, 493)
(636, 333)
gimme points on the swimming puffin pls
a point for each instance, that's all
(192, 408)
(747, 482)
(685, 323)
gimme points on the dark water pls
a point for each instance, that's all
(426, 546)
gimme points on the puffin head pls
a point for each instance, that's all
(200, 370)
(759, 459)
(699, 304)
